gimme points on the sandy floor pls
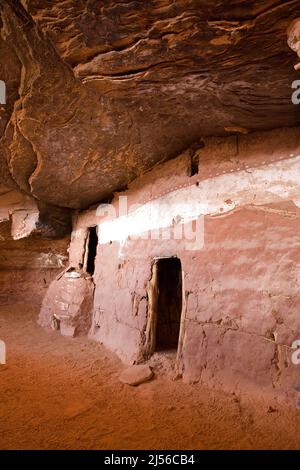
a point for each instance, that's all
(63, 393)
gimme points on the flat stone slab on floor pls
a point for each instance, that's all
(136, 375)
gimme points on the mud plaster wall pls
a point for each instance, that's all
(241, 288)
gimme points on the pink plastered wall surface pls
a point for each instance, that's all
(241, 287)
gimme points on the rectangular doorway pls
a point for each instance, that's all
(91, 250)
(168, 304)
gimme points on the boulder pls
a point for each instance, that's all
(136, 375)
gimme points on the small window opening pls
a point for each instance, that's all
(194, 165)
(195, 157)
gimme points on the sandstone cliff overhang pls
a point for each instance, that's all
(99, 92)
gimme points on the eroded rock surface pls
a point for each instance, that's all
(27, 216)
(100, 91)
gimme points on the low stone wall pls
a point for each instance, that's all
(25, 286)
(28, 265)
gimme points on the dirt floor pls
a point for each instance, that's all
(61, 393)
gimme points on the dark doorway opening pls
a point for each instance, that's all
(92, 250)
(169, 303)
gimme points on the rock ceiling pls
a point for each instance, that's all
(99, 91)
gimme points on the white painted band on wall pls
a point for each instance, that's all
(278, 181)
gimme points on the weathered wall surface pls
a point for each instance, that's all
(28, 266)
(241, 287)
(28, 263)
(20, 211)
(25, 286)
(68, 305)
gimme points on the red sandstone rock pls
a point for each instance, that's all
(69, 302)
(28, 263)
(96, 99)
(112, 88)
(136, 375)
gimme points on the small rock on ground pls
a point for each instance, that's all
(136, 375)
